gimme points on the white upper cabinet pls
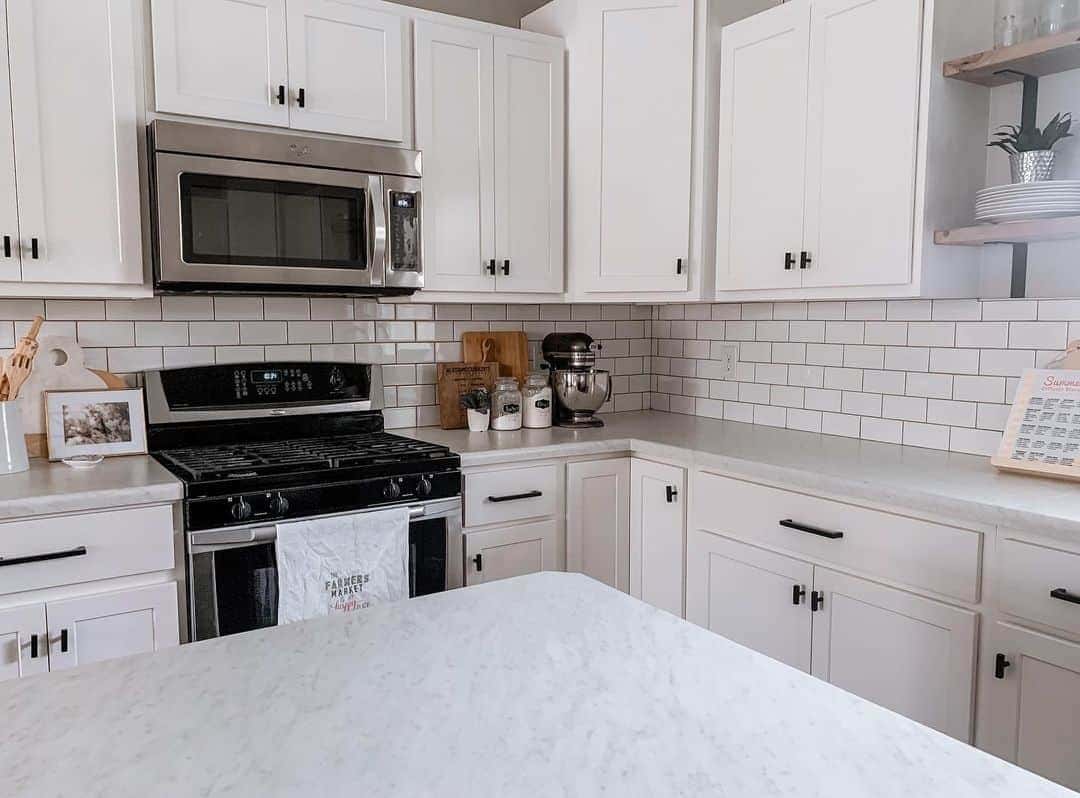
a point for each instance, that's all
(318, 65)
(489, 120)
(529, 164)
(347, 61)
(762, 154)
(455, 123)
(225, 59)
(631, 79)
(10, 251)
(75, 119)
(862, 135)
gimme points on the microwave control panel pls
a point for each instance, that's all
(404, 232)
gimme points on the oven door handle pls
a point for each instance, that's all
(262, 534)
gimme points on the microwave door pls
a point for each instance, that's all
(238, 224)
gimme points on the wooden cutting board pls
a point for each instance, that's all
(509, 349)
(455, 380)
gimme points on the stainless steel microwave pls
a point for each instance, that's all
(243, 211)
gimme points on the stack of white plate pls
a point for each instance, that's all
(1028, 201)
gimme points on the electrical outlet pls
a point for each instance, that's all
(727, 355)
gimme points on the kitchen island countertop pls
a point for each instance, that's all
(550, 684)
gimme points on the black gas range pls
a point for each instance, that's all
(261, 444)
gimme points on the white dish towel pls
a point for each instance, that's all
(328, 566)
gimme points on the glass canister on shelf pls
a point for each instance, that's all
(537, 401)
(1056, 16)
(506, 405)
(1014, 22)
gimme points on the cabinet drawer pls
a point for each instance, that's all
(69, 549)
(936, 557)
(1040, 583)
(513, 494)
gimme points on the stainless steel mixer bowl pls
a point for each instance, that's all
(582, 391)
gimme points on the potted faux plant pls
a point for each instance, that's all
(477, 404)
(1031, 151)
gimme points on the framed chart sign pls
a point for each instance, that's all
(1042, 435)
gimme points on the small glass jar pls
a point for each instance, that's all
(1014, 22)
(1057, 16)
(537, 401)
(506, 405)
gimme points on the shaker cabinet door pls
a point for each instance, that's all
(454, 129)
(224, 59)
(657, 534)
(24, 642)
(598, 521)
(347, 61)
(510, 551)
(865, 60)
(909, 654)
(762, 155)
(75, 113)
(10, 249)
(529, 142)
(109, 625)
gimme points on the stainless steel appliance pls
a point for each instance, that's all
(246, 211)
(579, 388)
(262, 443)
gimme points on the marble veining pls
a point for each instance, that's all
(49, 488)
(551, 684)
(958, 487)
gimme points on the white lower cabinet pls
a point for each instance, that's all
(657, 534)
(910, 654)
(24, 649)
(1034, 702)
(505, 552)
(598, 520)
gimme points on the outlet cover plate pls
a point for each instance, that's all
(728, 356)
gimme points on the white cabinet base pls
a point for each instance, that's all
(657, 534)
(598, 520)
(20, 655)
(506, 552)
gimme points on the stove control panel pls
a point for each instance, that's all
(278, 384)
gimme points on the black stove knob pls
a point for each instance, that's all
(423, 487)
(241, 509)
(279, 505)
(392, 491)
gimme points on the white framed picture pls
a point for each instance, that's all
(95, 422)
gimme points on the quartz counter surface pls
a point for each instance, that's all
(959, 487)
(49, 488)
(550, 684)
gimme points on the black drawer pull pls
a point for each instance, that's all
(34, 248)
(33, 647)
(506, 268)
(811, 530)
(301, 98)
(63, 641)
(491, 269)
(679, 266)
(281, 94)
(1061, 594)
(7, 246)
(53, 555)
(532, 494)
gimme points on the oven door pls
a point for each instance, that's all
(232, 572)
(226, 224)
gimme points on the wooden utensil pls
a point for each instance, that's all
(509, 349)
(20, 362)
(457, 379)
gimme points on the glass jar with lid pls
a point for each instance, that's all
(506, 405)
(1014, 21)
(537, 401)
(1056, 16)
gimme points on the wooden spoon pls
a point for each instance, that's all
(19, 364)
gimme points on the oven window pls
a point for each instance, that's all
(248, 222)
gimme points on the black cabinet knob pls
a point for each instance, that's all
(789, 261)
(817, 600)
(1001, 664)
(63, 641)
(798, 594)
(805, 260)
(491, 268)
(7, 246)
(506, 268)
(281, 94)
(672, 494)
(34, 248)
(301, 98)
(478, 561)
(33, 646)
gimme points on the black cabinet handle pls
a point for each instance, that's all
(532, 494)
(506, 268)
(1000, 664)
(678, 266)
(34, 248)
(478, 561)
(672, 494)
(811, 530)
(789, 261)
(63, 641)
(491, 269)
(301, 98)
(1061, 594)
(33, 647)
(281, 94)
(805, 260)
(798, 594)
(7, 246)
(817, 600)
(54, 555)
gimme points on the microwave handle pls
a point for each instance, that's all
(377, 243)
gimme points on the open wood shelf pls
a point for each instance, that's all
(1026, 232)
(1047, 55)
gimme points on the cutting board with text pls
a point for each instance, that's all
(509, 349)
(454, 380)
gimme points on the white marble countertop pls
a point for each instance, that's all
(550, 684)
(56, 488)
(954, 486)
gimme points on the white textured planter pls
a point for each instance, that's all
(478, 421)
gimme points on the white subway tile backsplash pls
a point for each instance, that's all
(932, 386)
(133, 359)
(956, 310)
(214, 333)
(804, 420)
(931, 333)
(311, 332)
(790, 311)
(106, 333)
(887, 333)
(926, 436)
(904, 408)
(807, 331)
(1005, 362)
(183, 356)
(826, 400)
(1038, 335)
(264, 332)
(954, 361)
(845, 332)
(864, 357)
(188, 308)
(161, 333)
(74, 309)
(882, 429)
(132, 309)
(825, 354)
(289, 308)
(892, 382)
(909, 310)
(974, 441)
(983, 335)
(238, 308)
(844, 379)
(907, 358)
(239, 354)
(337, 309)
(862, 404)
(950, 413)
(871, 310)
(840, 424)
(1010, 310)
(979, 389)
